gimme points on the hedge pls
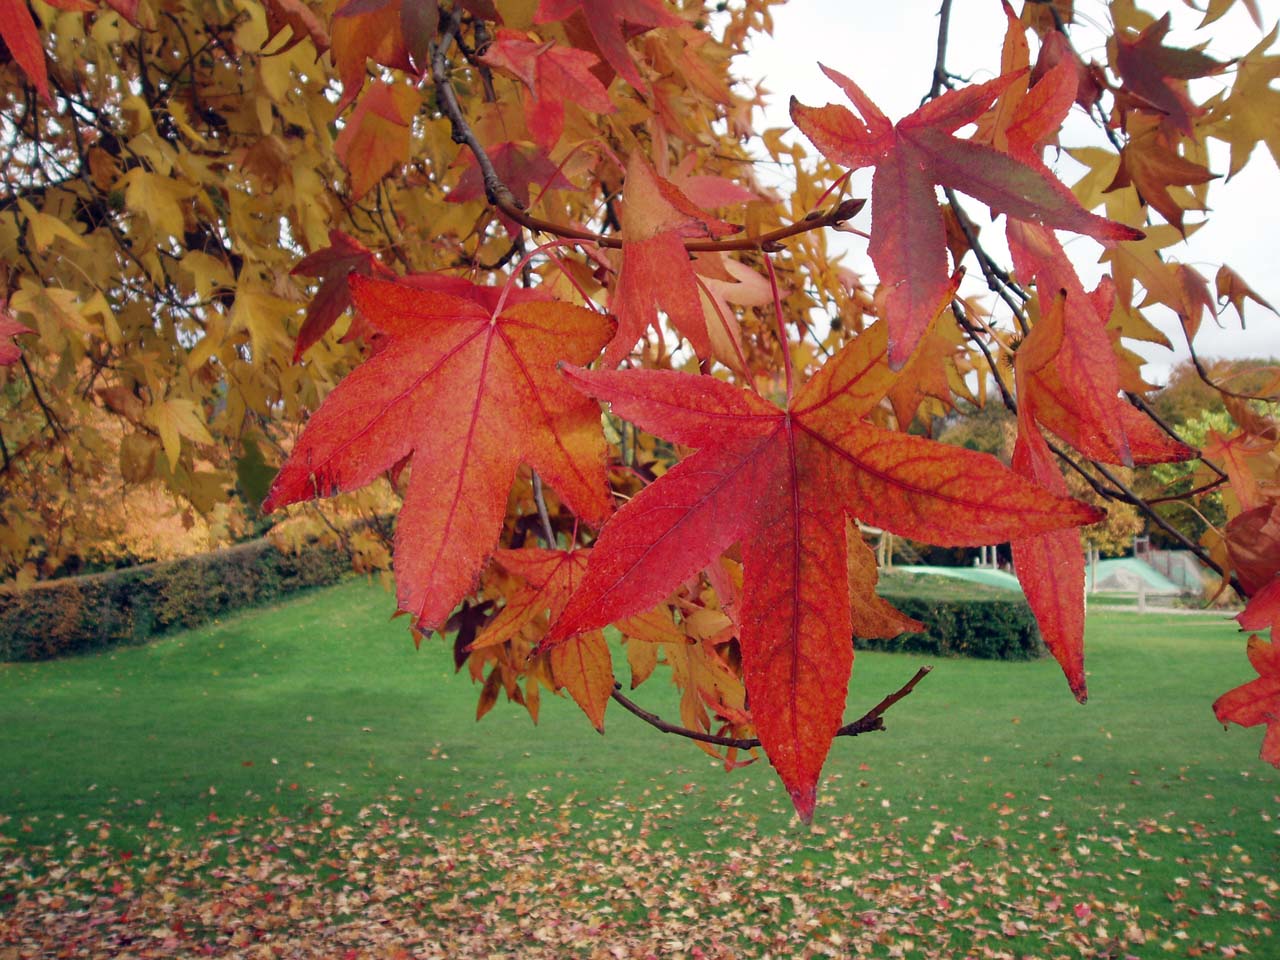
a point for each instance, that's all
(977, 621)
(81, 614)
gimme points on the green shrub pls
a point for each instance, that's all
(961, 620)
(79, 614)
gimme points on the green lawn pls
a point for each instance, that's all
(301, 780)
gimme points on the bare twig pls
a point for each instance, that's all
(872, 720)
(941, 78)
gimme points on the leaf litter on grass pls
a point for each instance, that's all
(535, 875)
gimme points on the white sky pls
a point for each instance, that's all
(888, 48)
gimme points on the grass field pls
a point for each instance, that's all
(300, 781)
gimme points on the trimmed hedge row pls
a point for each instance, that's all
(79, 614)
(988, 627)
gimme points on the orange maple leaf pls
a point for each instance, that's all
(656, 271)
(469, 392)
(581, 665)
(551, 75)
(375, 139)
(780, 483)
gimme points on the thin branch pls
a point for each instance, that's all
(499, 194)
(940, 76)
(872, 720)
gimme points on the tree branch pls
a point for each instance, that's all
(872, 720)
(500, 196)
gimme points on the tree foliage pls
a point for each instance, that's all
(399, 249)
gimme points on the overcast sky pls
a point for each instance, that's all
(888, 48)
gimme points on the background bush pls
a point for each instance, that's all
(961, 619)
(78, 614)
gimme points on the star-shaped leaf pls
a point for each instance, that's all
(470, 393)
(780, 483)
(1158, 74)
(1258, 701)
(908, 236)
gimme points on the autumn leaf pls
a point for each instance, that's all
(1232, 289)
(606, 19)
(551, 74)
(299, 19)
(581, 665)
(10, 352)
(332, 266)
(908, 237)
(375, 139)
(1049, 565)
(1258, 701)
(656, 272)
(780, 484)
(18, 30)
(1150, 163)
(469, 393)
(1076, 392)
(1158, 75)
(365, 30)
(1262, 612)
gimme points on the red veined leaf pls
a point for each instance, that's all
(1258, 701)
(780, 484)
(471, 396)
(908, 238)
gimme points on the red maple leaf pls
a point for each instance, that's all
(332, 265)
(18, 30)
(1157, 75)
(551, 74)
(1258, 701)
(470, 393)
(908, 235)
(605, 19)
(9, 327)
(1049, 565)
(1262, 612)
(656, 271)
(780, 483)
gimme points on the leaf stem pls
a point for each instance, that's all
(782, 327)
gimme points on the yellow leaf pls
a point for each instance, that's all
(208, 273)
(157, 198)
(43, 229)
(263, 315)
(174, 419)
